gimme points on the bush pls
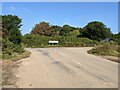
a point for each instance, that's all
(30, 40)
(96, 31)
(9, 48)
(77, 42)
(108, 49)
(16, 56)
(11, 36)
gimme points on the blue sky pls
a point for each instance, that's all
(74, 14)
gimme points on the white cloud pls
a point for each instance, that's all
(12, 8)
(25, 10)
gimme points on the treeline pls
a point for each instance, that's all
(68, 36)
(93, 30)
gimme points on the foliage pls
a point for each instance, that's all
(0, 26)
(43, 29)
(30, 40)
(10, 28)
(116, 38)
(16, 56)
(68, 36)
(109, 49)
(77, 42)
(11, 37)
(10, 48)
(66, 29)
(56, 30)
(96, 31)
(74, 33)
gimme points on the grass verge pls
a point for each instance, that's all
(109, 51)
(16, 56)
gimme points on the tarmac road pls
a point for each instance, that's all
(66, 68)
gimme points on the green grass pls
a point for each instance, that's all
(16, 56)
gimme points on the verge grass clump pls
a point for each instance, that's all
(106, 49)
(16, 56)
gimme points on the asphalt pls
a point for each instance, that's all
(66, 68)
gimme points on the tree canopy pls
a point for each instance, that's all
(66, 30)
(56, 30)
(43, 29)
(96, 31)
(11, 28)
(11, 35)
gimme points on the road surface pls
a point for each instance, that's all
(66, 68)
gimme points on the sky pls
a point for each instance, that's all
(76, 14)
(60, 0)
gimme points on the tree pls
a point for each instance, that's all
(0, 26)
(74, 33)
(116, 37)
(56, 30)
(43, 29)
(66, 30)
(96, 31)
(10, 28)
(11, 35)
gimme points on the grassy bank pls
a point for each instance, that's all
(16, 56)
(109, 51)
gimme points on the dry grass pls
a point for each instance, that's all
(108, 51)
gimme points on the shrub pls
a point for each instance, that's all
(30, 40)
(96, 31)
(110, 49)
(11, 36)
(76, 42)
(10, 48)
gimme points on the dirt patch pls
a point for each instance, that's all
(8, 73)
